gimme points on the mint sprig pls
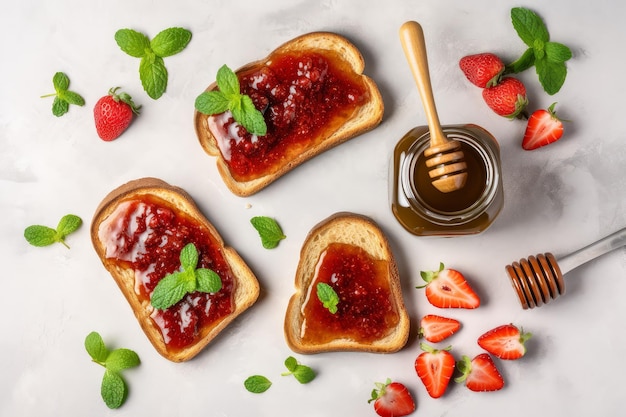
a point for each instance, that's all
(302, 373)
(63, 96)
(269, 230)
(257, 384)
(327, 295)
(38, 235)
(173, 287)
(228, 97)
(113, 388)
(152, 70)
(546, 56)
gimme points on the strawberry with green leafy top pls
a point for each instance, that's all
(505, 342)
(448, 288)
(480, 373)
(508, 98)
(482, 70)
(543, 128)
(392, 399)
(436, 328)
(113, 114)
(435, 368)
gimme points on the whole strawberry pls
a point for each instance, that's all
(113, 114)
(482, 70)
(508, 98)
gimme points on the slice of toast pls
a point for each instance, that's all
(131, 255)
(366, 301)
(366, 115)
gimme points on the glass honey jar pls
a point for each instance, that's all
(425, 211)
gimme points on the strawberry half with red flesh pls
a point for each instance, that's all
(480, 373)
(436, 328)
(392, 399)
(435, 368)
(543, 128)
(508, 98)
(113, 114)
(505, 342)
(448, 288)
(482, 70)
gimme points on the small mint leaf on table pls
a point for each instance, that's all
(121, 359)
(132, 42)
(302, 373)
(95, 348)
(529, 26)
(257, 384)
(269, 231)
(38, 235)
(113, 389)
(153, 75)
(63, 97)
(170, 41)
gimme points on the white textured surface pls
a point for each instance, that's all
(557, 199)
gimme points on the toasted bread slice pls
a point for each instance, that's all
(367, 301)
(120, 218)
(339, 128)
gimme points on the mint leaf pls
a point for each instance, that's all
(153, 75)
(68, 224)
(557, 52)
(212, 102)
(327, 295)
(230, 98)
(269, 231)
(551, 75)
(208, 281)
(38, 235)
(152, 71)
(96, 348)
(121, 359)
(113, 389)
(257, 384)
(302, 373)
(173, 287)
(170, 290)
(132, 42)
(529, 26)
(62, 96)
(170, 41)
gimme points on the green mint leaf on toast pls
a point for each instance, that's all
(257, 384)
(152, 71)
(113, 389)
(228, 97)
(132, 42)
(302, 373)
(327, 295)
(269, 231)
(38, 235)
(170, 41)
(63, 97)
(173, 287)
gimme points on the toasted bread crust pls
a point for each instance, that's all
(366, 118)
(246, 285)
(352, 229)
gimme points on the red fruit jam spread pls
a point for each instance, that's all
(301, 95)
(147, 235)
(365, 312)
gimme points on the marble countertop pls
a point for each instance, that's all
(557, 199)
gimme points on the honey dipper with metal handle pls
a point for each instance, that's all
(539, 279)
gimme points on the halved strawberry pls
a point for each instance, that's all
(482, 70)
(435, 368)
(480, 373)
(436, 328)
(392, 399)
(543, 128)
(505, 342)
(448, 288)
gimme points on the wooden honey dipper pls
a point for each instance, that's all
(539, 279)
(445, 158)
